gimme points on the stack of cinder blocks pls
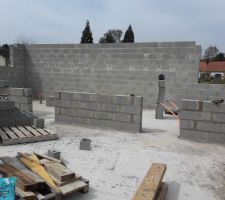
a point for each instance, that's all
(121, 112)
(7, 112)
(202, 121)
(4, 87)
(22, 98)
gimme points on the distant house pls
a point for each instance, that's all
(211, 70)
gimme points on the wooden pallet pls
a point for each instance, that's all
(25, 134)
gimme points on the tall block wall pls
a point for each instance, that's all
(108, 111)
(202, 121)
(111, 68)
(14, 73)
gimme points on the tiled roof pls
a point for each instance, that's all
(212, 67)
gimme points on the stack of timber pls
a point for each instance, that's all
(152, 187)
(40, 177)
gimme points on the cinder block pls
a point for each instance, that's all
(71, 120)
(211, 127)
(85, 144)
(57, 110)
(7, 105)
(212, 107)
(103, 115)
(200, 136)
(131, 109)
(27, 92)
(195, 115)
(4, 83)
(68, 111)
(188, 104)
(21, 99)
(79, 96)
(219, 117)
(138, 101)
(39, 123)
(54, 153)
(57, 95)
(186, 124)
(109, 107)
(16, 91)
(122, 100)
(121, 117)
(103, 98)
(85, 113)
(26, 107)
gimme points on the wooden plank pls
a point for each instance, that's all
(23, 181)
(73, 187)
(150, 185)
(25, 131)
(42, 131)
(18, 165)
(41, 156)
(163, 189)
(10, 133)
(25, 195)
(33, 131)
(3, 135)
(59, 183)
(17, 132)
(59, 171)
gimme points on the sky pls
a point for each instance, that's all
(62, 21)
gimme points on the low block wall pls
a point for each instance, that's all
(202, 121)
(4, 86)
(121, 112)
(22, 98)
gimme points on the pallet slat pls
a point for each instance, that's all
(18, 132)
(10, 133)
(33, 131)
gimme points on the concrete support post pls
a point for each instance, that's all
(161, 97)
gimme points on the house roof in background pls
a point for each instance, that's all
(212, 67)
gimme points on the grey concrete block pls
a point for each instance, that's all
(51, 101)
(85, 113)
(109, 107)
(103, 115)
(195, 115)
(200, 136)
(54, 153)
(21, 99)
(188, 104)
(16, 91)
(27, 92)
(4, 83)
(212, 107)
(124, 100)
(26, 107)
(103, 98)
(68, 111)
(7, 105)
(57, 95)
(85, 144)
(71, 120)
(132, 109)
(121, 117)
(211, 127)
(219, 117)
(187, 124)
(39, 123)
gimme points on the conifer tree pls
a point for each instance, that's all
(129, 35)
(87, 34)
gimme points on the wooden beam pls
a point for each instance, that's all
(151, 183)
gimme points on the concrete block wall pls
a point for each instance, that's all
(111, 68)
(4, 87)
(14, 73)
(7, 113)
(202, 121)
(121, 112)
(22, 98)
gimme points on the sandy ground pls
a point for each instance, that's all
(119, 160)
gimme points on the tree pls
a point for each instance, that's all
(129, 35)
(219, 57)
(107, 38)
(87, 34)
(116, 34)
(211, 52)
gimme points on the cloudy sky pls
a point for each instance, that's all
(62, 21)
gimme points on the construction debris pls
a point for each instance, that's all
(41, 177)
(54, 153)
(152, 187)
(85, 144)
